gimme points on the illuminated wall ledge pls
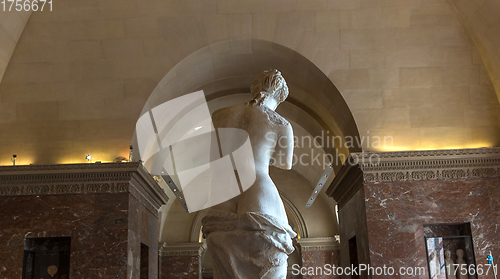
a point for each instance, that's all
(38, 180)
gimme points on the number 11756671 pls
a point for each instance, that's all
(26, 5)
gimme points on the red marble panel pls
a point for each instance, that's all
(142, 228)
(396, 213)
(384, 202)
(185, 267)
(320, 263)
(96, 223)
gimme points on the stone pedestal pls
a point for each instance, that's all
(107, 210)
(384, 204)
(181, 260)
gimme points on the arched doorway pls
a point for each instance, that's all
(315, 108)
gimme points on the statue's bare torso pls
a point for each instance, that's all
(269, 134)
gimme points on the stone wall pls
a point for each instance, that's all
(108, 210)
(11, 27)
(397, 211)
(395, 196)
(181, 260)
(353, 224)
(97, 225)
(81, 74)
(319, 258)
(177, 267)
(143, 227)
(314, 259)
(481, 18)
(103, 229)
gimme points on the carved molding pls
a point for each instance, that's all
(83, 179)
(373, 167)
(66, 178)
(319, 244)
(182, 249)
(55, 189)
(432, 154)
(429, 165)
(72, 167)
(346, 184)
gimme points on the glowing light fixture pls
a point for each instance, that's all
(14, 159)
(88, 158)
(321, 182)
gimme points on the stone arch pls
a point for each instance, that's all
(314, 102)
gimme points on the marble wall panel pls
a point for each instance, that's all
(97, 225)
(396, 213)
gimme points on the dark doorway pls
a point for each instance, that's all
(353, 255)
(46, 257)
(144, 273)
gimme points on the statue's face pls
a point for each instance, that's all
(448, 253)
(460, 253)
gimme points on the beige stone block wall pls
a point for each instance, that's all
(11, 26)
(406, 68)
(482, 20)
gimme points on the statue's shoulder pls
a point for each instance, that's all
(223, 112)
(275, 118)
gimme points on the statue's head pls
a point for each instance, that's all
(269, 84)
(460, 253)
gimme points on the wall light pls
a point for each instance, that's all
(14, 159)
(88, 158)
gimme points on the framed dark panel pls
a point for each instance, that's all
(440, 238)
(353, 255)
(47, 257)
(144, 272)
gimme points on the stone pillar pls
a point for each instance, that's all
(181, 260)
(108, 210)
(322, 252)
(385, 203)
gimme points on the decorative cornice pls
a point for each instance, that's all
(83, 179)
(56, 189)
(182, 249)
(378, 167)
(319, 244)
(428, 165)
(64, 178)
(71, 167)
(435, 154)
(346, 184)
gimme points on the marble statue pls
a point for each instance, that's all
(463, 268)
(249, 236)
(435, 264)
(449, 264)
